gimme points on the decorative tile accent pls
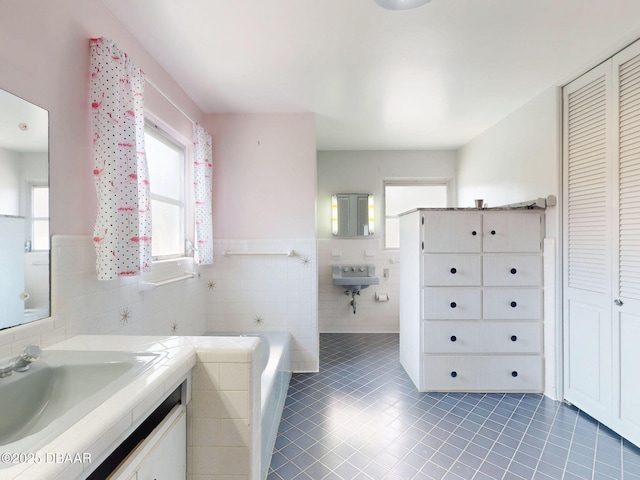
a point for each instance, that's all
(125, 316)
(362, 418)
(83, 305)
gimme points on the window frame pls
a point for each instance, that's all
(33, 218)
(395, 182)
(168, 135)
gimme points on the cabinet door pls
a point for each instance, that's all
(167, 460)
(160, 456)
(452, 270)
(452, 232)
(512, 232)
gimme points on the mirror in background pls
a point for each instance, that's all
(24, 211)
(352, 214)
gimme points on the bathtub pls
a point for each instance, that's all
(274, 382)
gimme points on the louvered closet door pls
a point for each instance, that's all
(587, 242)
(626, 299)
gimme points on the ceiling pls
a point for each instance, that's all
(430, 78)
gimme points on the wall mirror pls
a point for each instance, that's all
(24, 211)
(352, 214)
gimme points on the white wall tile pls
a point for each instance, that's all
(265, 292)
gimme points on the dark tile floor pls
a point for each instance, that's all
(361, 418)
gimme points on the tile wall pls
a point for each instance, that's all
(80, 304)
(335, 313)
(224, 417)
(266, 292)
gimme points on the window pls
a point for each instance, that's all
(166, 162)
(39, 217)
(401, 197)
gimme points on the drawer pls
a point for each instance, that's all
(477, 373)
(513, 337)
(512, 270)
(512, 303)
(451, 303)
(482, 337)
(452, 270)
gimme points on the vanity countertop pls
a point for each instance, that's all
(471, 209)
(93, 436)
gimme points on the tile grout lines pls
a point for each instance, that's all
(360, 418)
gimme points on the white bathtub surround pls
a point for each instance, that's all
(274, 384)
(263, 293)
(335, 314)
(83, 305)
(225, 400)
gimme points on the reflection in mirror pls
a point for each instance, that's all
(352, 214)
(24, 211)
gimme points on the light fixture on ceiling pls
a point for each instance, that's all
(401, 4)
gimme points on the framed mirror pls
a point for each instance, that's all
(24, 211)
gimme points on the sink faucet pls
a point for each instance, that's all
(29, 354)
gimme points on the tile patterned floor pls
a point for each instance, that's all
(361, 418)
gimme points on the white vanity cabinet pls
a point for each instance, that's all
(162, 455)
(471, 301)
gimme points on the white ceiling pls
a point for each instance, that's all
(434, 77)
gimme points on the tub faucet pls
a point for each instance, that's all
(29, 354)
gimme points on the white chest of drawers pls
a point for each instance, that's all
(471, 299)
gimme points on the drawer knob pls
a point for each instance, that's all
(514, 304)
(453, 338)
(514, 374)
(454, 374)
(493, 232)
(514, 338)
(474, 233)
(453, 270)
(453, 304)
(513, 271)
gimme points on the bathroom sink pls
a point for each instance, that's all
(354, 276)
(60, 389)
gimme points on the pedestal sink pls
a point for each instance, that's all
(354, 278)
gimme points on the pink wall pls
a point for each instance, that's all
(264, 175)
(44, 58)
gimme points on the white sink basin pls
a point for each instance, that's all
(58, 390)
(354, 276)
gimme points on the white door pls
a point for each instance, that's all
(588, 157)
(626, 288)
